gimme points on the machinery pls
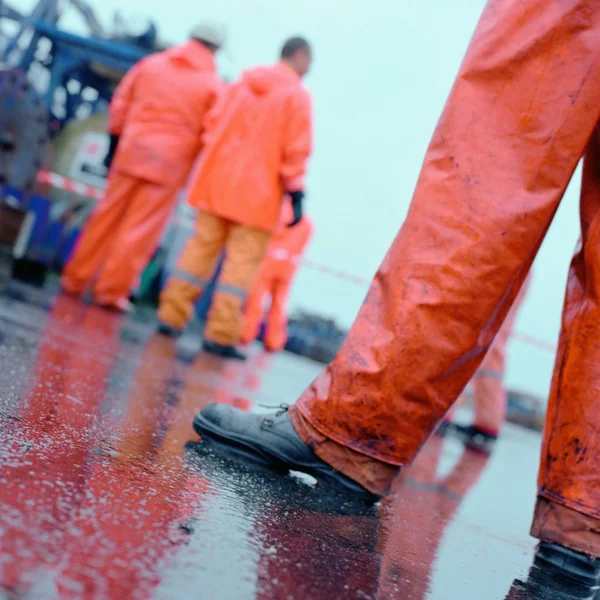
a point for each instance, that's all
(23, 131)
(54, 90)
(75, 75)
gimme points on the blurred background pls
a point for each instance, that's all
(381, 75)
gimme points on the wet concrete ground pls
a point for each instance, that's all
(103, 496)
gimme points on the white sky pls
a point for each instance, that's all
(382, 72)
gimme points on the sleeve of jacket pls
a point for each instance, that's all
(297, 142)
(121, 100)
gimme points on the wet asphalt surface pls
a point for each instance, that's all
(105, 492)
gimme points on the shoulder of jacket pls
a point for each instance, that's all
(149, 61)
(303, 96)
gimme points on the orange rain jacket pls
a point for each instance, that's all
(157, 111)
(258, 141)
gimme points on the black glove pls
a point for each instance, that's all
(297, 198)
(112, 150)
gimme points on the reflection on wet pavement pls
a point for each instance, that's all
(105, 494)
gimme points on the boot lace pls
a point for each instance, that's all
(282, 408)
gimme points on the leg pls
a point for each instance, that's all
(137, 237)
(568, 510)
(276, 333)
(98, 236)
(253, 314)
(203, 304)
(244, 252)
(459, 402)
(517, 121)
(194, 269)
(488, 192)
(490, 394)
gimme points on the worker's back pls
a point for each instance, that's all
(160, 108)
(260, 141)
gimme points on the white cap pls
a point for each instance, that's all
(209, 32)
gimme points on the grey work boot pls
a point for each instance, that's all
(272, 442)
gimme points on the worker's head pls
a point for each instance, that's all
(297, 54)
(210, 35)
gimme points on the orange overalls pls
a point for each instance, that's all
(523, 111)
(489, 398)
(158, 111)
(257, 147)
(275, 280)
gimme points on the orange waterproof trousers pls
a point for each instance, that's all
(119, 239)
(490, 398)
(522, 112)
(244, 248)
(274, 281)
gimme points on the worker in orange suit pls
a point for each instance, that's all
(156, 122)
(490, 399)
(275, 280)
(523, 111)
(258, 142)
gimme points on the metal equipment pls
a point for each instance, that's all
(73, 77)
(23, 131)
(75, 74)
(49, 78)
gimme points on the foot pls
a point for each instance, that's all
(272, 442)
(444, 428)
(72, 293)
(169, 331)
(122, 306)
(567, 567)
(223, 351)
(476, 439)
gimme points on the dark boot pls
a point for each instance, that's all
(476, 439)
(223, 351)
(270, 441)
(169, 331)
(567, 569)
(444, 428)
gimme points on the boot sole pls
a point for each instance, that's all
(246, 450)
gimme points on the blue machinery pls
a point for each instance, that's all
(49, 77)
(85, 69)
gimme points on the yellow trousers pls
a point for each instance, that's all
(244, 248)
